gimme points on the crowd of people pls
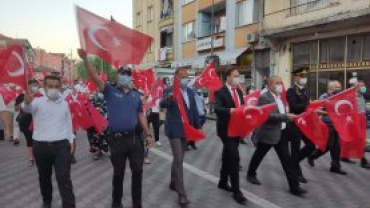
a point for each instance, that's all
(45, 115)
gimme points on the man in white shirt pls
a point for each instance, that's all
(52, 138)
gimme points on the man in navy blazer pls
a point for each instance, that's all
(175, 131)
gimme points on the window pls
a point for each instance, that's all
(188, 31)
(354, 48)
(247, 12)
(366, 48)
(301, 53)
(150, 13)
(166, 37)
(166, 9)
(301, 6)
(323, 51)
(138, 21)
(186, 2)
(336, 50)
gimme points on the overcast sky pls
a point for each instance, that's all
(51, 24)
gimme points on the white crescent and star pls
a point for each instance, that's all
(91, 33)
(250, 100)
(20, 70)
(210, 72)
(248, 116)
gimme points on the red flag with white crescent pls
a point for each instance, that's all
(155, 94)
(245, 119)
(252, 99)
(113, 42)
(191, 133)
(13, 67)
(209, 78)
(143, 79)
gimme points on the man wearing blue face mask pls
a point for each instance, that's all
(125, 114)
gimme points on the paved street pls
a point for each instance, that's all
(92, 180)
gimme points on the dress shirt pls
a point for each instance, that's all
(51, 119)
(281, 107)
(232, 93)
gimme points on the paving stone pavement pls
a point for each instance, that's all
(92, 180)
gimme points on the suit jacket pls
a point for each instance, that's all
(298, 99)
(223, 102)
(270, 131)
(173, 125)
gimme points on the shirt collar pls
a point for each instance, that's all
(299, 86)
(275, 96)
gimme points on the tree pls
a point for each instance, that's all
(100, 65)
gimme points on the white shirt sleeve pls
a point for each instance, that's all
(30, 108)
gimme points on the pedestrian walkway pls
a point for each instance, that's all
(92, 180)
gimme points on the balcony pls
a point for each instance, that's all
(279, 19)
(165, 54)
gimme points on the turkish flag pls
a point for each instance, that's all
(252, 98)
(74, 108)
(143, 79)
(342, 109)
(113, 42)
(100, 122)
(30, 74)
(191, 133)
(13, 66)
(245, 119)
(355, 147)
(91, 85)
(155, 94)
(313, 128)
(209, 78)
(315, 104)
(8, 94)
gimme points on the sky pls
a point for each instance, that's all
(51, 24)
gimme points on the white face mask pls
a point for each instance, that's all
(302, 81)
(34, 89)
(235, 81)
(279, 88)
(53, 94)
(11, 85)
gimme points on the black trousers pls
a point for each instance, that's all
(297, 153)
(131, 148)
(55, 154)
(28, 135)
(153, 118)
(282, 151)
(333, 146)
(230, 163)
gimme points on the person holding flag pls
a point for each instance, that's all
(334, 87)
(125, 115)
(298, 100)
(175, 128)
(227, 99)
(272, 134)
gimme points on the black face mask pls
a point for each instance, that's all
(336, 92)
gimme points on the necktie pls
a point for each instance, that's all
(235, 97)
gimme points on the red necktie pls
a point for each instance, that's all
(235, 96)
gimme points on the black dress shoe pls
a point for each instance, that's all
(346, 160)
(365, 164)
(240, 198)
(117, 205)
(337, 171)
(192, 145)
(302, 179)
(225, 187)
(298, 191)
(253, 180)
(46, 205)
(183, 200)
(311, 161)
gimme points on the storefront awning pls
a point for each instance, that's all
(226, 58)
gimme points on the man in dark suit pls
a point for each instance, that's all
(226, 100)
(273, 134)
(298, 100)
(175, 131)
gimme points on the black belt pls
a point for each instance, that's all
(123, 134)
(50, 142)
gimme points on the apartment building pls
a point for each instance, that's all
(331, 37)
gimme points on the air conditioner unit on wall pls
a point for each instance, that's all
(262, 43)
(252, 37)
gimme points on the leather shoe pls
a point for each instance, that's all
(365, 164)
(298, 191)
(302, 179)
(311, 161)
(338, 171)
(46, 205)
(253, 180)
(117, 205)
(225, 187)
(240, 198)
(183, 200)
(346, 160)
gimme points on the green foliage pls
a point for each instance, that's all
(100, 65)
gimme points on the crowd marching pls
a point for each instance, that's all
(117, 116)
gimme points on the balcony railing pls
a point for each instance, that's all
(311, 5)
(166, 14)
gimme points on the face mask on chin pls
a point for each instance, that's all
(53, 94)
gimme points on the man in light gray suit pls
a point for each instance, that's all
(273, 134)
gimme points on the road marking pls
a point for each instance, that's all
(251, 197)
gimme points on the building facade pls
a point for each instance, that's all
(330, 37)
